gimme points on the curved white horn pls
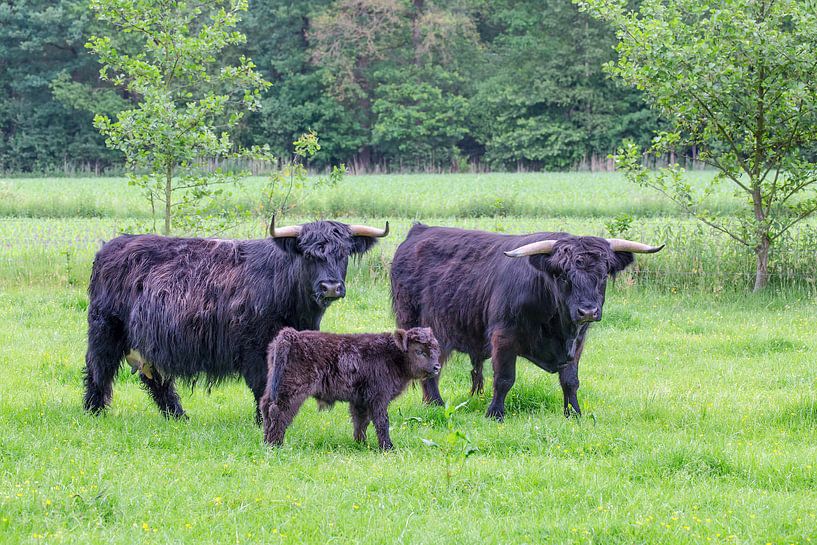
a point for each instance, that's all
(283, 232)
(366, 231)
(622, 245)
(541, 247)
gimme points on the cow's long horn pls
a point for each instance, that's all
(621, 245)
(541, 247)
(283, 232)
(366, 231)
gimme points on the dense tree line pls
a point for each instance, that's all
(390, 84)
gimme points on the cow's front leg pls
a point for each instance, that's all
(569, 380)
(503, 359)
(163, 392)
(255, 375)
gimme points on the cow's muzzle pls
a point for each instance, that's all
(332, 290)
(588, 314)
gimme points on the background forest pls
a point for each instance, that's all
(396, 85)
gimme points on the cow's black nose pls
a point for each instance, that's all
(588, 314)
(332, 290)
(437, 368)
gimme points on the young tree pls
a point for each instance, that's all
(735, 78)
(188, 98)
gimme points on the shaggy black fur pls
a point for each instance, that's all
(367, 370)
(207, 307)
(482, 303)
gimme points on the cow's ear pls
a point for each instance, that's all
(545, 263)
(287, 244)
(361, 245)
(401, 339)
(620, 261)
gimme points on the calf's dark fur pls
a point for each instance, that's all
(367, 370)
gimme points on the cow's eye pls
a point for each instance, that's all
(580, 262)
(418, 352)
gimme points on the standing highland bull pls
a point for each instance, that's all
(187, 307)
(467, 287)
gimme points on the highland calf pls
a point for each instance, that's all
(367, 370)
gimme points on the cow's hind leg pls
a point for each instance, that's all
(163, 392)
(477, 379)
(431, 386)
(106, 348)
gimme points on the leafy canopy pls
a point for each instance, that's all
(736, 78)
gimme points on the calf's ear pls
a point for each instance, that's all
(620, 261)
(401, 339)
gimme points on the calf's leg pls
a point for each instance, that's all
(279, 414)
(503, 359)
(163, 392)
(381, 424)
(360, 420)
(106, 348)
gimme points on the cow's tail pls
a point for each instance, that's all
(278, 359)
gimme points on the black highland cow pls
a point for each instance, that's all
(467, 287)
(187, 307)
(367, 370)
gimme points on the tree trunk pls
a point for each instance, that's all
(168, 197)
(416, 31)
(762, 253)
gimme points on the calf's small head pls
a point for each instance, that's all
(323, 249)
(421, 349)
(580, 267)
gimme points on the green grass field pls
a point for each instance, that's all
(700, 400)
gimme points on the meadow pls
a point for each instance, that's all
(700, 399)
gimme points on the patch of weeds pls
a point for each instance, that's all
(457, 446)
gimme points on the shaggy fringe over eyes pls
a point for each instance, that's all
(596, 248)
(324, 239)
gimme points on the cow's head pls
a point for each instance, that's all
(323, 249)
(421, 349)
(580, 267)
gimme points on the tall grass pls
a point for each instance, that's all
(406, 196)
(60, 251)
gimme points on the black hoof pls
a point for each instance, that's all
(496, 414)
